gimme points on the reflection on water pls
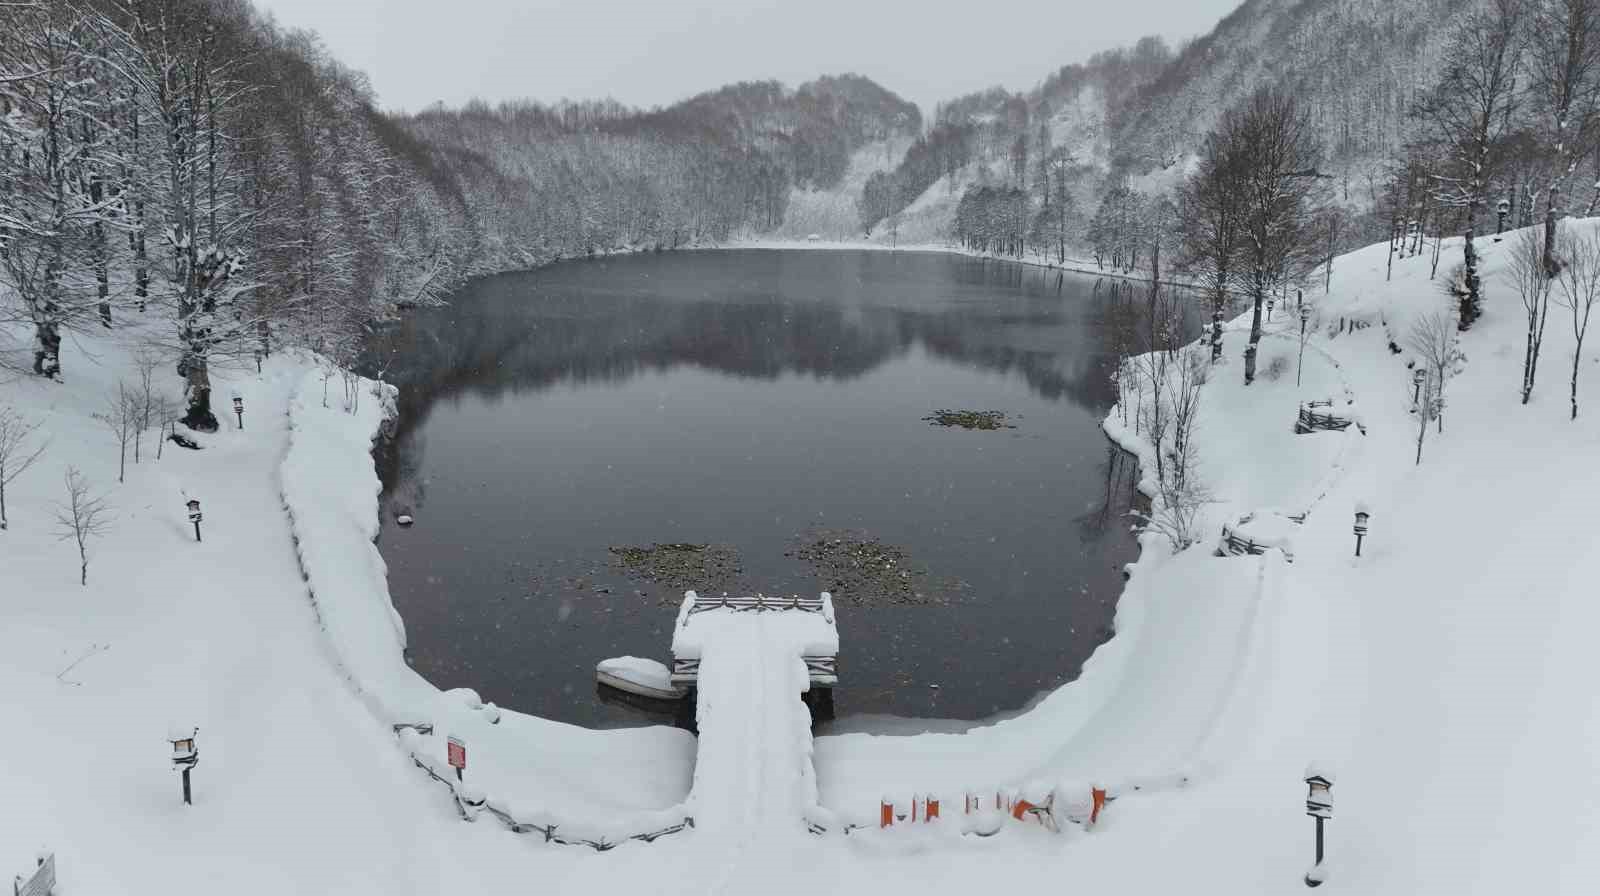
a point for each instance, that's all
(746, 398)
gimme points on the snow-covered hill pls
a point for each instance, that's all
(832, 213)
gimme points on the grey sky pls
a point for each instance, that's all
(645, 53)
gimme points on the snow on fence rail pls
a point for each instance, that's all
(1257, 533)
(470, 802)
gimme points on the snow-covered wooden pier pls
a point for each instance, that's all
(750, 661)
(821, 662)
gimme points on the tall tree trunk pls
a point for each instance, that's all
(1551, 266)
(1255, 338)
(1470, 302)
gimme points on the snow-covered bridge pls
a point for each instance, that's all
(751, 661)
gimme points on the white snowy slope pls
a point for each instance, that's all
(1447, 673)
(533, 768)
(832, 214)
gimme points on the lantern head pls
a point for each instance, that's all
(238, 403)
(194, 505)
(184, 751)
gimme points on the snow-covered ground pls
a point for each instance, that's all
(832, 214)
(1447, 673)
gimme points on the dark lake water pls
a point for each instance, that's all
(751, 399)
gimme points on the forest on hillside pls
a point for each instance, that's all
(225, 186)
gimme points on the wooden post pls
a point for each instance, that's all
(885, 813)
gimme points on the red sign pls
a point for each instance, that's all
(457, 753)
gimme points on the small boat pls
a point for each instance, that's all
(634, 675)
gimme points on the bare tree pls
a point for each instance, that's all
(1434, 337)
(146, 399)
(1468, 113)
(1424, 411)
(1580, 288)
(1277, 153)
(121, 415)
(83, 516)
(164, 411)
(1527, 272)
(16, 452)
(1181, 497)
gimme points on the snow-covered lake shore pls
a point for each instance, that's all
(1447, 672)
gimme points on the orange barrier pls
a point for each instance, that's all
(925, 808)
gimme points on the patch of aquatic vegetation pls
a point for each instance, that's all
(861, 570)
(678, 567)
(985, 420)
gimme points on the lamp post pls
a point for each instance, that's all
(1502, 209)
(238, 408)
(1360, 529)
(194, 516)
(1418, 376)
(185, 755)
(1319, 805)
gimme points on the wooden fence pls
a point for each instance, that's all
(469, 806)
(1311, 419)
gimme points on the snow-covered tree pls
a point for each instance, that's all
(1564, 95)
(1210, 227)
(1467, 115)
(57, 169)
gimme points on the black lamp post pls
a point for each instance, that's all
(1502, 209)
(238, 408)
(194, 516)
(1418, 376)
(185, 755)
(1319, 805)
(1360, 529)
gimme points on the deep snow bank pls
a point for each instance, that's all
(530, 767)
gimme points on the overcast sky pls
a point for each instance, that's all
(649, 52)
